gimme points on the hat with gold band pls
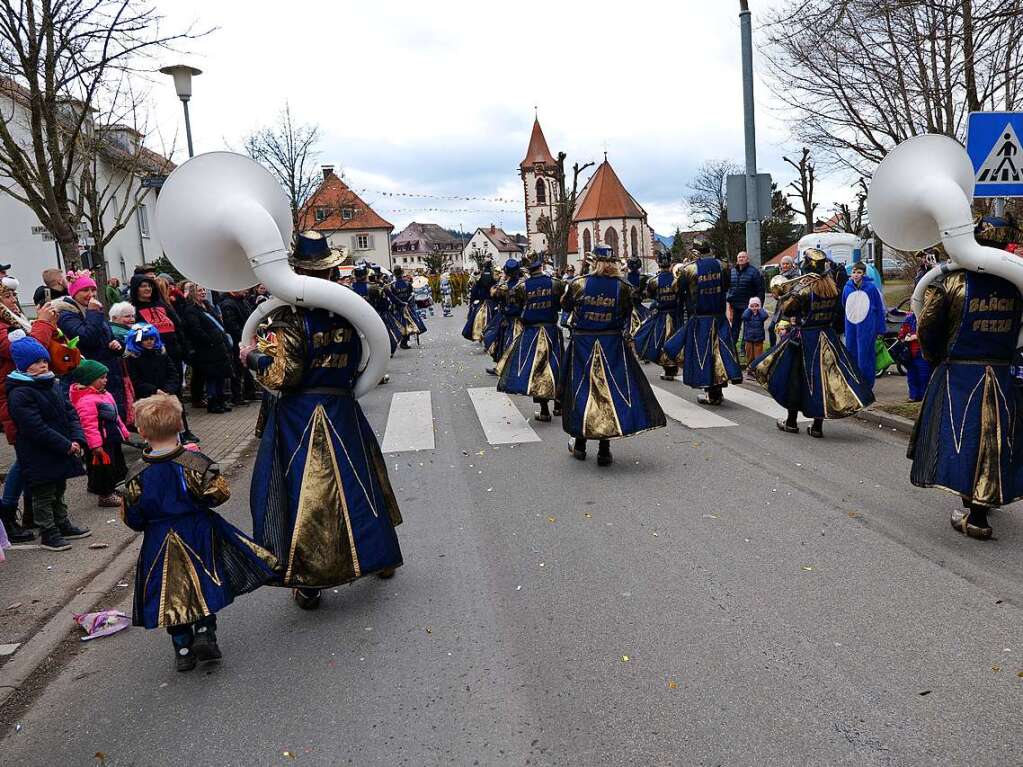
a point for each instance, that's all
(312, 251)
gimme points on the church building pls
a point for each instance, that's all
(605, 211)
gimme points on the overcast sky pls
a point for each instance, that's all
(437, 98)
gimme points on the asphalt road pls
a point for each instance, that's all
(720, 596)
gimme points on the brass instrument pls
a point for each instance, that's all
(781, 287)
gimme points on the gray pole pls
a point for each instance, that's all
(188, 128)
(753, 215)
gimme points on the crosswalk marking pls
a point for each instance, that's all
(502, 422)
(409, 423)
(761, 403)
(687, 413)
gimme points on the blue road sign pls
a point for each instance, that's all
(993, 140)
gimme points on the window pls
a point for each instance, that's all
(362, 242)
(321, 214)
(124, 271)
(587, 241)
(143, 219)
(611, 240)
(634, 238)
(347, 213)
(541, 192)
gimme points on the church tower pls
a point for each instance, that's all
(538, 171)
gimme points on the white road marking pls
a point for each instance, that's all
(501, 420)
(409, 423)
(761, 403)
(687, 413)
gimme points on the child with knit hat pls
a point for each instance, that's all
(104, 430)
(53, 443)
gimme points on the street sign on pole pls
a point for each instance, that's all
(153, 182)
(735, 193)
(993, 143)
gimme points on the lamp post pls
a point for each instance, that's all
(753, 214)
(183, 74)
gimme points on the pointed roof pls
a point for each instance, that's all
(604, 196)
(538, 151)
(335, 197)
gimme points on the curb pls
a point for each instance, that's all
(887, 420)
(31, 655)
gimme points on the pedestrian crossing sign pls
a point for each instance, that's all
(994, 145)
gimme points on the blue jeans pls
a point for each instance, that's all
(215, 390)
(13, 486)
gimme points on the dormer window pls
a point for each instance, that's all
(347, 213)
(321, 214)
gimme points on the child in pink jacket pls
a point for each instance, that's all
(104, 430)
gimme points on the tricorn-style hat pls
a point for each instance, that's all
(313, 252)
(603, 253)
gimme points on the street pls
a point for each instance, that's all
(724, 594)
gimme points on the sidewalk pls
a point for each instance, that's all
(892, 408)
(35, 584)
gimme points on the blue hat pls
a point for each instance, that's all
(511, 265)
(603, 253)
(27, 351)
(312, 251)
(140, 331)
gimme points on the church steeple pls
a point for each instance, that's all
(538, 151)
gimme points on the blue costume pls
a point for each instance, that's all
(704, 346)
(662, 321)
(918, 369)
(965, 439)
(376, 298)
(531, 365)
(403, 307)
(503, 327)
(321, 498)
(481, 305)
(864, 322)
(810, 371)
(637, 281)
(193, 563)
(605, 394)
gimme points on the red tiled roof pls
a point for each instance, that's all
(334, 195)
(538, 151)
(504, 242)
(605, 197)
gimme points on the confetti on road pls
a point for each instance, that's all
(672, 684)
(588, 515)
(552, 520)
(806, 568)
(626, 659)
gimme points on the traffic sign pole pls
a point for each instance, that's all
(752, 208)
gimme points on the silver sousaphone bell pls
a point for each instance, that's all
(224, 222)
(922, 194)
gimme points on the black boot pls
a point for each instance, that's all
(604, 453)
(205, 646)
(790, 424)
(544, 413)
(307, 599)
(816, 429)
(404, 343)
(712, 397)
(17, 533)
(577, 448)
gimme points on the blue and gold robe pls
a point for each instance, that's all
(406, 314)
(965, 438)
(531, 365)
(504, 325)
(481, 307)
(638, 282)
(662, 321)
(811, 370)
(604, 393)
(321, 498)
(704, 348)
(192, 563)
(376, 298)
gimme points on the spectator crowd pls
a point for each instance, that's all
(71, 376)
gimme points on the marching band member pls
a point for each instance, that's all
(321, 498)
(637, 281)
(663, 320)
(531, 365)
(605, 394)
(404, 307)
(367, 286)
(704, 346)
(964, 440)
(481, 306)
(810, 370)
(503, 325)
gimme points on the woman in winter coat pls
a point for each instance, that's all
(211, 349)
(80, 315)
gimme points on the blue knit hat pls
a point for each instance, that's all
(27, 351)
(139, 332)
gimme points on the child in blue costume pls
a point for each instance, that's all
(663, 320)
(864, 321)
(193, 563)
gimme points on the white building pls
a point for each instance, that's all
(121, 163)
(348, 223)
(492, 242)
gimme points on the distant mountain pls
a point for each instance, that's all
(665, 240)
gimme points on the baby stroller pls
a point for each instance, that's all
(898, 350)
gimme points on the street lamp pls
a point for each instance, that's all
(183, 74)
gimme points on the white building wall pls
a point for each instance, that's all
(537, 240)
(644, 235)
(379, 250)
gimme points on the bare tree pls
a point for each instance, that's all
(803, 187)
(851, 217)
(708, 206)
(288, 150)
(557, 231)
(859, 76)
(61, 65)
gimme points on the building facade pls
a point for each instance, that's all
(348, 223)
(538, 171)
(417, 245)
(491, 242)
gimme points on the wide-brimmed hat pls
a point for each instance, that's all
(603, 253)
(312, 251)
